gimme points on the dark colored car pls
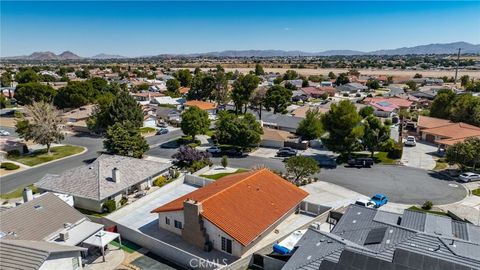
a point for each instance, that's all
(286, 152)
(360, 162)
(327, 163)
(233, 152)
(162, 131)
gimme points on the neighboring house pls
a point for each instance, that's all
(33, 255)
(297, 83)
(168, 114)
(209, 107)
(351, 88)
(280, 121)
(387, 107)
(275, 138)
(78, 115)
(233, 213)
(169, 101)
(366, 239)
(146, 96)
(312, 92)
(302, 110)
(326, 84)
(444, 132)
(109, 177)
(395, 91)
(9, 143)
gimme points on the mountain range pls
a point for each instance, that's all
(439, 48)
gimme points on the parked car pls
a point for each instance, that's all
(214, 150)
(233, 152)
(410, 141)
(324, 101)
(286, 152)
(360, 162)
(379, 200)
(162, 131)
(469, 176)
(365, 203)
(162, 124)
(4, 133)
(327, 163)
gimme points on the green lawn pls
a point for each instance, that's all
(220, 175)
(92, 213)
(378, 158)
(416, 208)
(127, 246)
(440, 164)
(476, 192)
(41, 156)
(17, 193)
(145, 130)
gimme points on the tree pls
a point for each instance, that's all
(243, 88)
(332, 75)
(278, 98)
(125, 139)
(202, 87)
(82, 73)
(6, 79)
(473, 87)
(417, 76)
(412, 85)
(224, 161)
(258, 100)
(366, 111)
(27, 93)
(290, 86)
(305, 83)
(464, 80)
(465, 108)
(301, 166)
(172, 86)
(342, 122)
(442, 104)
(44, 125)
(465, 153)
(290, 75)
(374, 134)
(373, 84)
(241, 131)
(187, 156)
(221, 93)
(75, 95)
(342, 79)
(27, 76)
(184, 77)
(259, 70)
(310, 128)
(195, 121)
(354, 72)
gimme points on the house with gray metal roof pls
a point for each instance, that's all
(109, 177)
(33, 255)
(351, 88)
(366, 238)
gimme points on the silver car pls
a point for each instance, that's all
(469, 176)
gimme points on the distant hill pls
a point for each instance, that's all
(107, 56)
(445, 48)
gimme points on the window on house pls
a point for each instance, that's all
(178, 224)
(75, 263)
(167, 221)
(227, 245)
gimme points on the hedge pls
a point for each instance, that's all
(9, 166)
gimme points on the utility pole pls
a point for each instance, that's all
(456, 68)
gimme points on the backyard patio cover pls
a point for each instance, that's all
(101, 239)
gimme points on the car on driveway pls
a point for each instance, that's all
(379, 200)
(162, 131)
(4, 133)
(410, 141)
(360, 162)
(286, 152)
(469, 176)
(365, 203)
(214, 150)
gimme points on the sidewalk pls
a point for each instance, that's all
(468, 208)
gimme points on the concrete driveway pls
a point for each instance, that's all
(420, 156)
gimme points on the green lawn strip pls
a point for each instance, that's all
(220, 175)
(41, 156)
(145, 130)
(127, 246)
(17, 193)
(440, 165)
(476, 192)
(419, 209)
(379, 158)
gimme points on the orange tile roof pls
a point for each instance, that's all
(201, 104)
(454, 131)
(183, 90)
(276, 134)
(400, 102)
(243, 205)
(431, 122)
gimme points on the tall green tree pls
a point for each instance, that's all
(342, 79)
(203, 86)
(259, 70)
(27, 76)
(366, 111)
(290, 75)
(241, 131)
(221, 93)
(310, 128)
(258, 100)
(184, 77)
(464, 80)
(6, 79)
(195, 121)
(125, 139)
(342, 122)
(278, 98)
(75, 94)
(375, 133)
(465, 108)
(301, 166)
(465, 153)
(44, 125)
(27, 93)
(442, 104)
(412, 85)
(332, 75)
(243, 88)
(173, 86)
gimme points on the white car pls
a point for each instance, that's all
(214, 150)
(410, 141)
(4, 133)
(365, 203)
(469, 176)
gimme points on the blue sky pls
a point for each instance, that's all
(154, 27)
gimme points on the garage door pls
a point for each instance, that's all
(430, 138)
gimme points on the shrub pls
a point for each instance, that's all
(13, 153)
(395, 152)
(387, 122)
(197, 165)
(224, 161)
(9, 166)
(160, 181)
(109, 206)
(123, 201)
(427, 205)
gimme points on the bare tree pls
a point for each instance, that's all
(43, 124)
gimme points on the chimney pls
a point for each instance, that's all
(116, 175)
(27, 194)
